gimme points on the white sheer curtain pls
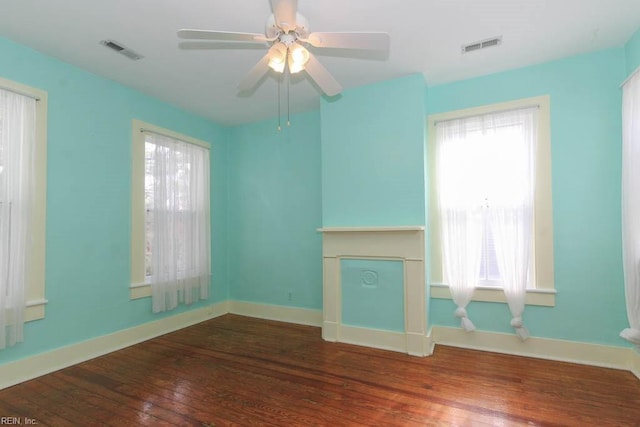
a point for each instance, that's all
(460, 210)
(631, 205)
(487, 163)
(512, 136)
(181, 262)
(17, 140)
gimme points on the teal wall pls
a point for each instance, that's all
(373, 294)
(586, 162)
(275, 252)
(358, 161)
(632, 52)
(88, 199)
(373, 155)
(373, 151)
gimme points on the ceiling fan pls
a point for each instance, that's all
(287, 33)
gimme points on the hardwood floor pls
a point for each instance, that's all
(235, 370)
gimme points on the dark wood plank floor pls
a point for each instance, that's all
(235, 370)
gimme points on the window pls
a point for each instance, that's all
(149, 149)
(481, 142)
(170, 217)
(22, 207)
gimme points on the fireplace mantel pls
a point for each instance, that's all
(402, 243)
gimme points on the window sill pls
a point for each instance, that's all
(139, 290)
(35, 310)
(542, 297)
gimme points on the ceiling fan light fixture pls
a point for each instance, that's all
(277, 57)
(287, 32)
(294, 67)
(298, 58)
(277, 65)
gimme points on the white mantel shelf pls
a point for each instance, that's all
(370, 229)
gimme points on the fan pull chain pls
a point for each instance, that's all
(279, 127)
(288, 101)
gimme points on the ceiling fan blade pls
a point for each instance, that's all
(322, 77)
(254, 75)
(218, 45)
(221, 36)
(367, 41)
(285, 13)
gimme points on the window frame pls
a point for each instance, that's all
(35, 292)
(544, 292)
(140, 286)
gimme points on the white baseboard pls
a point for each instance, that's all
(375, 338)
(430, 343)
(418, 345)
(385, 340)
(542, 348)
(330, 331)
(301, 316)
(635, 362)
(567, 351)
(412, 344)
(32, 367)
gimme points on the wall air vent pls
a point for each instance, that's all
(482, 44)
(121, 49)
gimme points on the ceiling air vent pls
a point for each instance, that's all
(482, 44)
(121, 49)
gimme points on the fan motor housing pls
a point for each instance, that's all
(302, 27)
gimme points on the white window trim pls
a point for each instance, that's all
(544, 293)
(140, 286)
(35, 292)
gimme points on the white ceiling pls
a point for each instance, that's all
(426, 36)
